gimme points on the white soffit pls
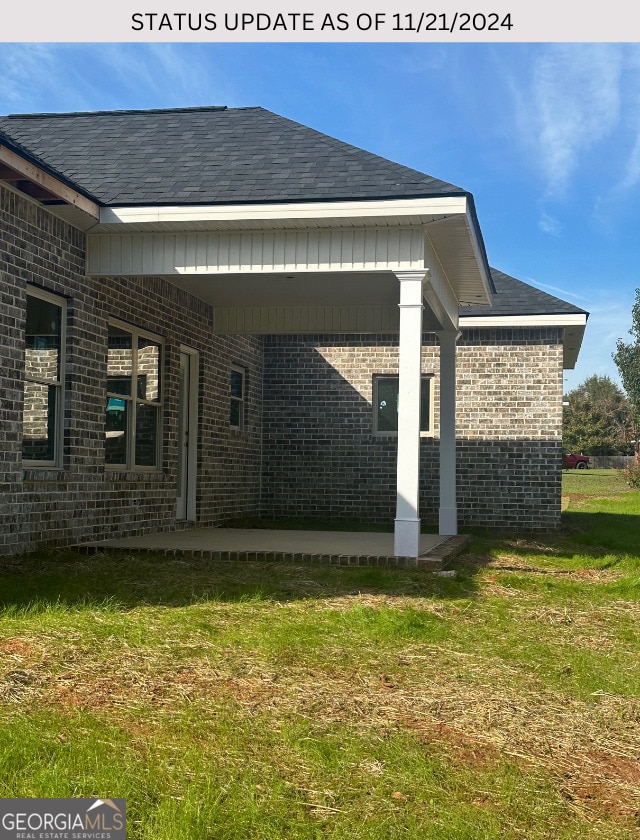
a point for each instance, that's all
(72, 215)
(455, 242)
(67, 212)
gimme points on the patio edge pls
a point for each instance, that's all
(434, 561)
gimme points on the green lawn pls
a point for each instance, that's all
(261, 702)
(579, 484)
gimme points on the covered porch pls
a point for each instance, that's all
(397, 267)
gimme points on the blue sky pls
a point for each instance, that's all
(546, 136)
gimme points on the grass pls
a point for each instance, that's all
(258, 701)
(582, 484)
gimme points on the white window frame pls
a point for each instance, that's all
(59, 384)
(425, 377)
(133, 400)
(242, 401)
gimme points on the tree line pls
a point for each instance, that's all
(600, 418)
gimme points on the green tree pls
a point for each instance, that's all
(627, 359)
(598, 419)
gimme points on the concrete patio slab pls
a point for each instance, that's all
(344, 548)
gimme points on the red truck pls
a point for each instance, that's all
(570, 461)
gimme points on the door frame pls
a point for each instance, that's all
(189, 506)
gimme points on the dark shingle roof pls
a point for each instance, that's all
(209, 156)
(221, 155)
(513, 297)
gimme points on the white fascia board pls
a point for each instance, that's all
(572, 320)
(361, 210)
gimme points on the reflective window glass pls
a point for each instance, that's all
(39, 422)
(236, 402)
(133, 398)
(116, 433)
(146, 435)
(119, 361)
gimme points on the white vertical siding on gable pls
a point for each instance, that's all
(349, 249)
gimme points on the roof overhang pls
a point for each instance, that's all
(128, 240)
(32, 180)
(573, 324)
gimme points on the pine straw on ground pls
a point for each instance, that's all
(513, 563)
(472, 706)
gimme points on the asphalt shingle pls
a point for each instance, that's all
(513, 297)
(209, 156)
(223, 155)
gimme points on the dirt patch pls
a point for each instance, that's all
(479, 718)
(511, 563)
(614, 789)
(468, 750)
(18, 648)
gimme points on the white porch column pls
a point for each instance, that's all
(448, 517)
(407, 522)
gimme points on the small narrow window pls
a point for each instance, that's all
(133, 411)
(43, 378)
(385, 405)
(237, 398)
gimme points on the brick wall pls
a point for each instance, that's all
(317, 406)
(509, 424)
(84, 500)
(314, 455)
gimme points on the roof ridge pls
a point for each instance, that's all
(128, 112)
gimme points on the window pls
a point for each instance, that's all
(385, 405)
(237, 394)
(43, 378)
(133, 411)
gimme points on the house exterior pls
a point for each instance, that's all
(208, 313)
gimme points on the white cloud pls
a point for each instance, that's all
(631, 175)
(549, 224)
(25, 69)
(574, 104)
(71, 77)
(169, 75)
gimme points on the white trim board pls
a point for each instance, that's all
(568, 320)
(573, 324)
(306, 211)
